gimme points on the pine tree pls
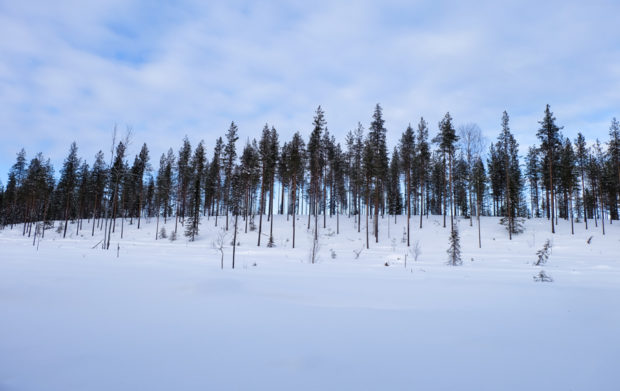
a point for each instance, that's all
(479, 181)
(197, 166)
(597, 161)
(339, 192)
(250, 175)
(423, 157)
(228, 162)
(117, 174)
(355, 146)
(549, 135)
(507, 149)
(99, 177)
(613, 152)
(447, 139)
(237, 192)
(532, 173)
(213, 191)
(379, 160)
(142, 166)
(274, 148)
(296, 163)
(266, 155)
(68, 182)
(568, 178)
(82, 193)
(582, 163)
(316, 163)
(407, 158)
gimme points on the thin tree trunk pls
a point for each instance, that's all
(600, 190)
(451, 195)
(235, 240)
(262, 203)
(552, 193)
(478, 218)
(408, 202)
(367, 213)
(570, 201)
(294, 194)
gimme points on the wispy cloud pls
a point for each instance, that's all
(70, 70)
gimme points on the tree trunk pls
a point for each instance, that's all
(294, 194)
(235, 240)
(451, 195)
(262, 208)
(408, 202)
(552, 193)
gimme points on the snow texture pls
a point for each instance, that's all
(163, 316)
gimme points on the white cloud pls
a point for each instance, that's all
(71, 70)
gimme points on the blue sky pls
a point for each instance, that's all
(70, 70)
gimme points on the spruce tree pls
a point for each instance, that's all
(454, 250)
(394, 197)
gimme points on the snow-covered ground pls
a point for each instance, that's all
(163, 316)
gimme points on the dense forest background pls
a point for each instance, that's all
(453, 173)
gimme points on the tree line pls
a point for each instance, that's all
(452, 174)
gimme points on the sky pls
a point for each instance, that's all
(71, 70)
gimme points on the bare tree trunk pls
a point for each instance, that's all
(570, 201)
(408, 202)
(294, 194)
(235, 240)
(367, 213)
(271, 212)
(421, 198)
(478, 218)
(262, 209)
(508, 209)
(600, 192)
(451, 195)
(247, 202)
(551, 189)
(66, 218)
(445, 207)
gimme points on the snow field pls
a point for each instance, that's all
(164, 316)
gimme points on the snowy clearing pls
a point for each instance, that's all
(163, 316)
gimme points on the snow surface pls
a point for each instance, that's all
(163, 316)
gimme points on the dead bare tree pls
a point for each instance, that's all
(219, 243)
(470, 137)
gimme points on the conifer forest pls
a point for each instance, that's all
(441, 170)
